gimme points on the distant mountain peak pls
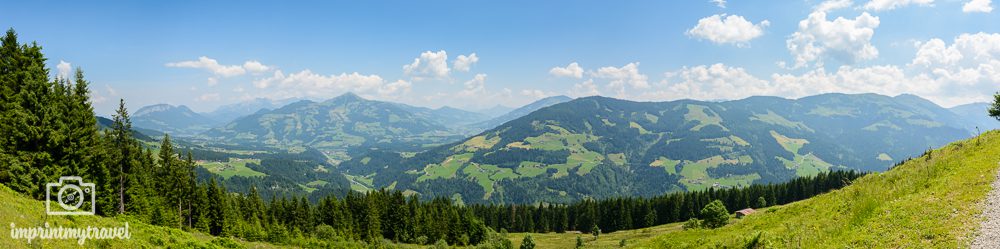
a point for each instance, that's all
(147, 110)
(349, 96)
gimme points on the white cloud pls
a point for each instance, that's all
(534, 93)
(306, 83)
(64, 69)
(399, 86)
(731, 29)
(474, 87)
(211, 65)
(464, 63)
(717, 81)
(844, 40)
(881, 5)
(967, 70)
(720, 3)
(255, 67)
(209, 97)
(984, 6)
(583, 89)
(212, 81)
(832, 5)
(429, 64)
(935, 51)
(572, 70)
(620, 77)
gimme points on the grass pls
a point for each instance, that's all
(359, 183)
(694, 175)
(446, 169)
(668, 164)
(704, 116)
(608, 240)
(804, 165)
(790, 144)
(929, 202)
(775, 119)
(234, 167)
(486, 174)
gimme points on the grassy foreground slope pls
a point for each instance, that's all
(928, 202)
(25, 212)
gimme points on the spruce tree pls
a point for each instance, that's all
(125, 151)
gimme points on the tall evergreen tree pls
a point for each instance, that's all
(125, 152)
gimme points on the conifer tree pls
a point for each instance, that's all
(124, 151)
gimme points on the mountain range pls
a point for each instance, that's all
(598, 147)
(559, 149)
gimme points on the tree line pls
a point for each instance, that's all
(625, 213)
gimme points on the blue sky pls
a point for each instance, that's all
(208, 53)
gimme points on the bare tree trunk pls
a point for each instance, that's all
(121, 190)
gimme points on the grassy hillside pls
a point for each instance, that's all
(26, 213)
(929, 202)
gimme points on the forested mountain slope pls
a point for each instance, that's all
(601, 147)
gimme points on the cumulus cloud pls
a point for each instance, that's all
(212, 66)
(397, 87)
(586, 88)
(309, 83)
(620, 77)
(464, 63)
(255, 67)
(844, 40)
(881, 5)
(572, 70)
(720, 3)
(711, 82)
(475, 86)
(967, 70)
(64, 69)
(984, 6)
(429, 64)
(832, 5)
(935, 51)
(728, 29)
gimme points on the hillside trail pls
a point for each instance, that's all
(989, 230)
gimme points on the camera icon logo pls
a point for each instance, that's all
(72, 194)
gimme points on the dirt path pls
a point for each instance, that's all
(989, 230)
